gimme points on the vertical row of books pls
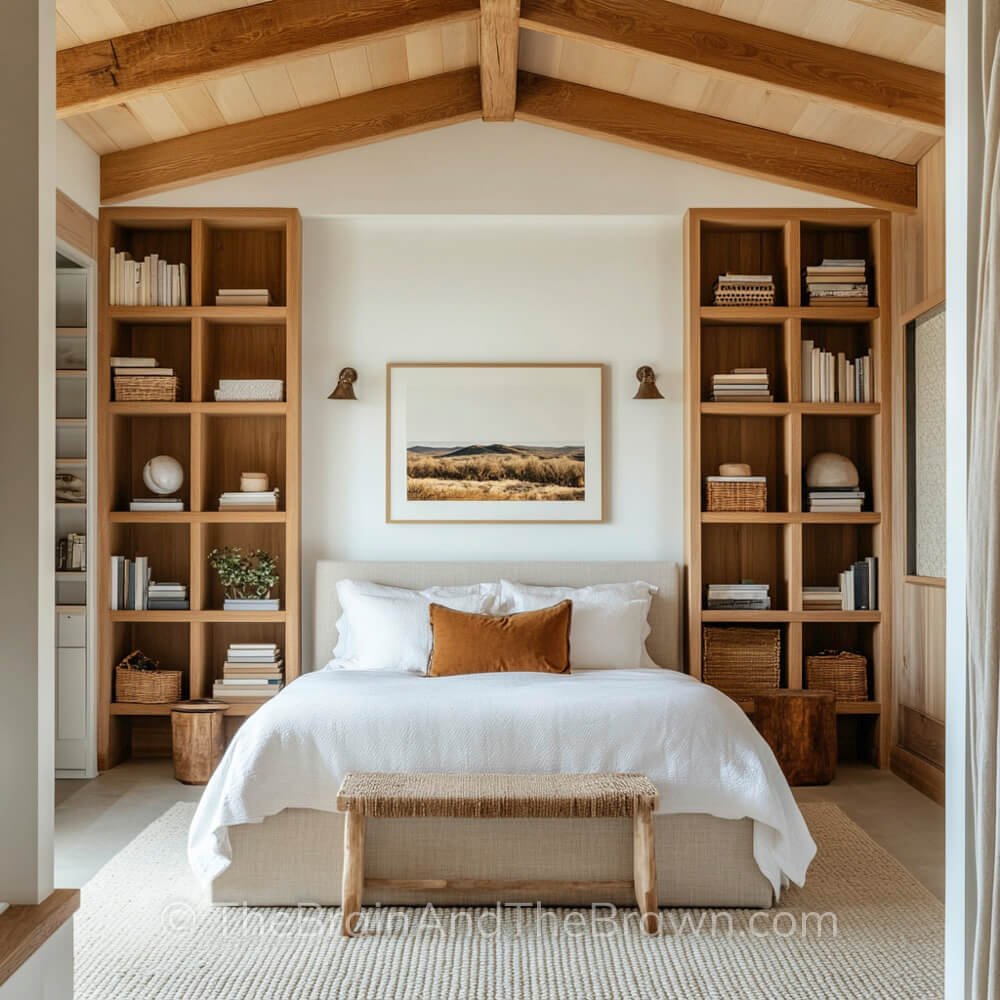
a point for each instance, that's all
(829, 378)
(856, 590)
(147, 282)
(252, 672)
(837, 281)
(132, 589)
(71, 553)
(742, 385)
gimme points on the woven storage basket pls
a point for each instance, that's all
(147, 687)
(843, 673)
(735, 496)
(146, 388)
(741, 661)
(745, 295)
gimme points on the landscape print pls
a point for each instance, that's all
(495, 472)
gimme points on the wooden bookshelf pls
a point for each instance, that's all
(215, 442)
(786, 546)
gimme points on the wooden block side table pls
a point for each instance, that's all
(199, 739)
(801, 728)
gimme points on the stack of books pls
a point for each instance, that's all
(252, 672)
(739, 596)
(838, 281)
(744, 290)
(71, 553)
(147, 282)
(128, 366)
(167, 597)
(742, 385)
(822, 599)
(250, 500)
(835, 500)
(833, 379)
(243, 297)
(129, 583)
(859, 586)
(158, 504)
(251, 604)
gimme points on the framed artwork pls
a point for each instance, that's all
(495, 443)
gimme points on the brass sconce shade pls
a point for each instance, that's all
(345, 385)
(647, 384)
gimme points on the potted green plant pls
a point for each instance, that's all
(247, 577)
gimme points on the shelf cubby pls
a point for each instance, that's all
(171, 238)
(829, 549)
(752, 345)
(168, 342)
(743, 248)
(825, 239)
(738, 553)
(244, 254)
(133, 441)
(168, 548)
(269, 537)
(852, 436)
(238, 444)
(235, 350)
(218, 636)
(758, 441)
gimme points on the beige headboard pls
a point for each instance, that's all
(664, 616)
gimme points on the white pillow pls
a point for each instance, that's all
(609, 625)
(388, 628)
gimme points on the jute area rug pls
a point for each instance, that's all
(862, 927)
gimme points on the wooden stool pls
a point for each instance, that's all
(801, 728)
(199, 739)
(495, 796)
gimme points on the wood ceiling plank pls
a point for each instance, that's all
(107, 72)
(195, 107)
(460, 45)
(158, 116)
(272, 88)
(352, 70)
(425, 53)
(341, 124)
(313, 79)
(234, 98)
(499, 35)
(785, 159)
(387, 59)
(671, 31)
(122, 126)
(92, 134)
(931, 11)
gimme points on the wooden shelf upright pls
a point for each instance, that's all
(786, 546)
(215, 442)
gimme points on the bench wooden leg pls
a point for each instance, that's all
(352, 887)
(644, 867)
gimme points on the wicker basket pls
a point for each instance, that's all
(146, 687)
(735, 496)
(843, 673)
(146, 388)
(741, 661)
(745, 295)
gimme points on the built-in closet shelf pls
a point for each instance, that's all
(782, 517)
(197, 517)
(784, 409)
(233, 617)
(778, 314)
(246, 409)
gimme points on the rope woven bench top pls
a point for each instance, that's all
(495, 796)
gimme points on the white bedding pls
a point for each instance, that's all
(695, 744)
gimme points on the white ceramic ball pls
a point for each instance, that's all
(828, 470)
(163, 474)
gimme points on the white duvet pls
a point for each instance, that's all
(695, 744)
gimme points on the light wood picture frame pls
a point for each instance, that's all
(477, 443)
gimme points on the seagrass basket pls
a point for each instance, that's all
(745, 295)
(843, 673)
(741, 661)
(146, 388)
(735, 496)
(145, 687)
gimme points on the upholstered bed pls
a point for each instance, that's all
(267, 834)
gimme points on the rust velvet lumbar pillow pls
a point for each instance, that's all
(468, 643)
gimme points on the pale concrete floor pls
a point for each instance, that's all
(95, 819)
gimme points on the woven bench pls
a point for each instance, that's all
(496, 796)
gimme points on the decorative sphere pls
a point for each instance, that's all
(163, 474)
(827, 469)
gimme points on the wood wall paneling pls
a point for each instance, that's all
(76, 226)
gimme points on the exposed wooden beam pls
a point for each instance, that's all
(351, 121)
(108, 72)
(677, 33)
(785, 159)
(498, 37)
(931, 11)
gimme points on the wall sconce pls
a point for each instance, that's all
(647, 384)
(345, 385)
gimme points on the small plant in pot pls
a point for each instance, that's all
(247, 577)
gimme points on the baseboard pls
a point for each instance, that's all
(924, 776)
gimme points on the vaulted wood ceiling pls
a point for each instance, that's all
(841, 96)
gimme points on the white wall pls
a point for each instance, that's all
(78, 169)
(510, 242)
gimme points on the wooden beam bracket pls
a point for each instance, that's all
(499, 32)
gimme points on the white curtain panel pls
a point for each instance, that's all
(984, 534)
